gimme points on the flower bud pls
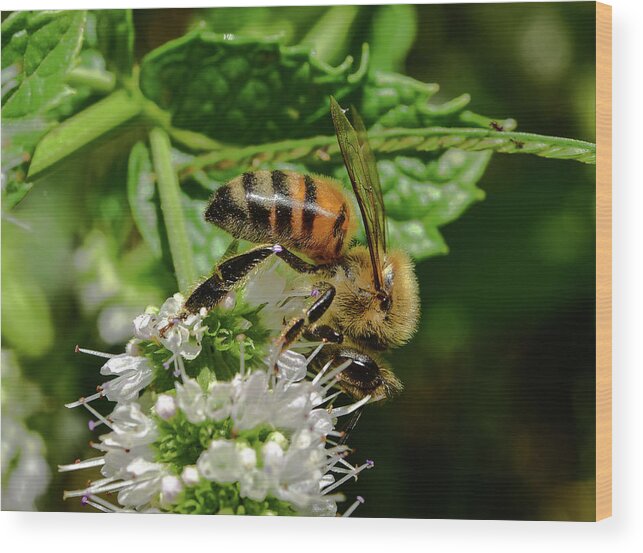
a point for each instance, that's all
(165, 407)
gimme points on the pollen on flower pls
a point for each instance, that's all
(202, 423)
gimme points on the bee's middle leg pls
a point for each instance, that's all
(305, 323)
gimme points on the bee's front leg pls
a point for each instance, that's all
(323, 333)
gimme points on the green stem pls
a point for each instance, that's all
(390, 141)
(170, 195)
(99, 81)
(81, 129)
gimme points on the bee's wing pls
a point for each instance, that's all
(360, 164)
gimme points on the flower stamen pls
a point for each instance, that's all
(359, 501)
(78, 349)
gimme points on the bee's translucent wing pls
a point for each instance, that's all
(360, 164)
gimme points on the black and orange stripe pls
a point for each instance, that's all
(306, 213)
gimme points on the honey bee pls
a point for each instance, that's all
(365, 299)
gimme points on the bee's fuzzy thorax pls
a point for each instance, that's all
(359, 312)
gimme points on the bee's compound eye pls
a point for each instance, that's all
(385, 303)
(363, 372)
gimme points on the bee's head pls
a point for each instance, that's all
(382, 318)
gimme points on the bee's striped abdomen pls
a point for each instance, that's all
(258, 211)
(310, 205)
(301, 212)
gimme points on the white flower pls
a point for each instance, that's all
(25, 472)
(248, 458)
(190, 475)
(171, 487)
(145, 326)
(116, 461)
(320, 422)
(133, 374)
(269, 434)
(221, 462)
(273, 459)
(130, 428)
(292, 366)
(191, 400)
(178, 332)
(253, 406)
(143, 485)
(165, 406)
(254, 484)
(291, 407)
(218, 404)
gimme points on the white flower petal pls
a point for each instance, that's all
(134, 374)
(292, 366)
(253, 406)
(218, 404)
(191, 400)
(254, 484)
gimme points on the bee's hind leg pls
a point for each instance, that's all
(300, 325)
(226, 275)
(233, 270)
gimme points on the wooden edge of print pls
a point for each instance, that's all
(603, 261)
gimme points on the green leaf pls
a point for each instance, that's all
(27, 323)
(393, 33)
(209, 242)
(19, 139)
(143, 201)
(330, 36)
(41, 47)
(417, 238)
(393, 97)
(115, 39)
(425, 192)
(436, 191)
(244, 90)
(392, 100)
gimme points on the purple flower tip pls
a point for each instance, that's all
(277, 248)
(84, 500)
(370, 464)
(91, 424)
(314, 293)
(360, 499)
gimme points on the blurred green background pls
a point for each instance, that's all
(497, 418)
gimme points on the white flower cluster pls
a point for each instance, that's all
(297, 462)
(25, 473)
(133, 372)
